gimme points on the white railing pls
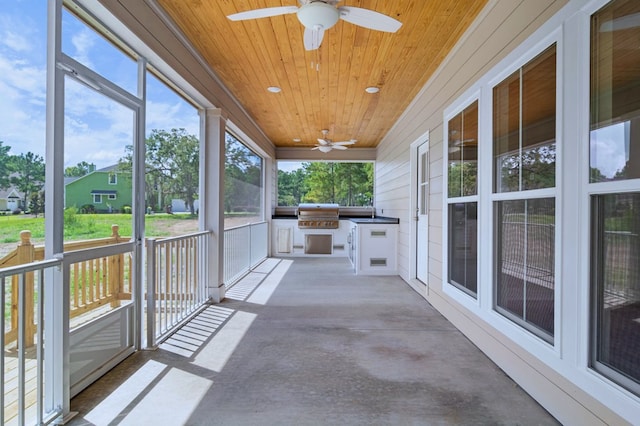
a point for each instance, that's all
(176, 282)
(22, 365)
(244, 247)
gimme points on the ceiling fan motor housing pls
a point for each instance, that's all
(318, 15)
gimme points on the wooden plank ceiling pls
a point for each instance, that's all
(325, 88)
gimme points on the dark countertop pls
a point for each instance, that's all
(354, 219)
(375, 220)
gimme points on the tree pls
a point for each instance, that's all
(187, 170)
(243, 177)
(171, 167)
(79, 170)
(291, 187)
(5, 166)
(36, 205)
(28, 175)
(347, 184)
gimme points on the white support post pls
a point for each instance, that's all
(212, 160)
(56, 323)
(139, 208)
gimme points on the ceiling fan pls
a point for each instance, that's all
(325, 145)
(317, 16)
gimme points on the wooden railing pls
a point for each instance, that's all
(94, 283)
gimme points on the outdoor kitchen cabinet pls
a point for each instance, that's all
(374, 248)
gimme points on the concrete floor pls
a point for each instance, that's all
(305, 342)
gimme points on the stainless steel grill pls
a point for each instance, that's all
(318, 216)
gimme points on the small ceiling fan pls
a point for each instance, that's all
(325, 145)
(317, 16)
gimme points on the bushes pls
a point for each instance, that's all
(126, 209)
(88, 209)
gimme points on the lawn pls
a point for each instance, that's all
(90, 226)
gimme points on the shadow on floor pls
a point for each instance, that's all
(306, 342)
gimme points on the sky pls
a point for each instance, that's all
(97, 129)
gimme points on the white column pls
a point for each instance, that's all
(56, 323)
(212, 160)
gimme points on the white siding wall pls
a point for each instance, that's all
(502, 26)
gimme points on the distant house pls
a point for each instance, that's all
(10, 199)
(106, 189)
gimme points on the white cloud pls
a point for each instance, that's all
(608, 151)
(16, 42)
(83, 42)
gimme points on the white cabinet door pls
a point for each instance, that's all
(376, 247)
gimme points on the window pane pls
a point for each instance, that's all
(94, 51)
(524, 120)
(616, 278)
(615, 92)
(463, 152)
(172, 160)
(243, 193)
(346, 184)
(97, 131)
(539, 121)
(506, 133)
(463, 246)
(525, 262)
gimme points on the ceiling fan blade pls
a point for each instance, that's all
(351, 142)
(341, 147)
(313, 38)
(323, 141)
(369, 19)
(315, 147)
(263, 13)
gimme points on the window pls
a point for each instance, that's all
(615, 213)
(524, 128)
(243, 184)
(462, 177)
(112, 196)
(349, 184)
(113, 179)
(172, 153)
(97, 198)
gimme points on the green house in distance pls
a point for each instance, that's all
(108, 190)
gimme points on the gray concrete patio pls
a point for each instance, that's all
(306, 342)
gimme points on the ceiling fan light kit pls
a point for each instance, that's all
(318, 15)
(325, 145)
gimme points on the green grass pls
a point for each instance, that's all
(88, 226)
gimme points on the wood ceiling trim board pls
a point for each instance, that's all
(297, 86)
(354, 84)
(253, 58)
(367, 111)
(280, 32)
(343, 71)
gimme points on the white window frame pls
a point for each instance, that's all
(97, 198)
(569, 356)
(450, 289)
(588, 191)
(547, 35)
(112, 196)
(113, 181)
(533, 193)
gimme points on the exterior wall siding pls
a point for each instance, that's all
(500, 28)
(78, 192)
